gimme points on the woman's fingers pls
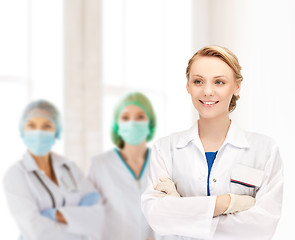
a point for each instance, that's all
(163, 187)
(165, 179)
(166, 186)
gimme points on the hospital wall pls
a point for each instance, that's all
(90, 54)
(261, 34)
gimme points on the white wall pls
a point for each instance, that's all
(262, 34)
(31, 67)
(146, 46)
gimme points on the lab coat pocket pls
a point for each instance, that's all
(245, 180)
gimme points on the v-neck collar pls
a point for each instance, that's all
(235, 136)
(129, 168)
(30, 164)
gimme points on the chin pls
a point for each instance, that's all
(208, 116)
(211, 115)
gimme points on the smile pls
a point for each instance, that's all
(209, 103)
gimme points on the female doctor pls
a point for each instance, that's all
(120, 174)
(214, 181)
(48, 195)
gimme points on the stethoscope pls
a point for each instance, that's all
(66, 185)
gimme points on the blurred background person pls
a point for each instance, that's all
(120, 175)
(47, 194)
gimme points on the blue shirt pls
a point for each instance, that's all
(210, 156)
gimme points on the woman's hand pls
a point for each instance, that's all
(54, 215)
(239, 203)
(225, 204)
(167, 187)
(49, 213)
(221, 205)
(60, 217)
(232, 203)
(89, 199)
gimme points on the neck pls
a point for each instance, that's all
(134, 153)
(43, 162)
(214, 129)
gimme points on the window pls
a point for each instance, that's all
(141, 52)
(31, 63)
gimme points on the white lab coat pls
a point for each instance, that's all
(27, 197)
(249, 158)
(121, 193)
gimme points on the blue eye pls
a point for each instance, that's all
(197, 82)
(219, 82)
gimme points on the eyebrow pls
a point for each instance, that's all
(221, 76)
(140, 112)
(216, 77)
(197, 75)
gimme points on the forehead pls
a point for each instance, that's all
(39, 120)
(132, 109)
(210, 66)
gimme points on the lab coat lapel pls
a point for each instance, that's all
(63, 175)
(57, 162)
(185, 137)
(197, 140)
(190, 135)
(236, 137)
(29, 163)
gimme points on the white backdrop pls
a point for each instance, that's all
(31, 67)
(261, 33)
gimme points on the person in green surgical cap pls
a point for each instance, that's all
(120, 175)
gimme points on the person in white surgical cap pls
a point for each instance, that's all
(214, 180)
(47, 194)
(120, 175)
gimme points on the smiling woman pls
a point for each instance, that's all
(216, 180)
(211, 90)
(213, 67)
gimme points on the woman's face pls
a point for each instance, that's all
(132, 113)
(211, 85)
(39, 123)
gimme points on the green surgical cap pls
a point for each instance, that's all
(140, 100)
(41, 108)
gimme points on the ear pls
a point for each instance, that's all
(238, 88)
(187, 86)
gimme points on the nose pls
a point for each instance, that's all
(208, 90)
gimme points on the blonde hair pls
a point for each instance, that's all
(226, 56)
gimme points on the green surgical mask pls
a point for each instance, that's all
(134, 132)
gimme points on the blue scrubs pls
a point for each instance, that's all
(210, 156)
